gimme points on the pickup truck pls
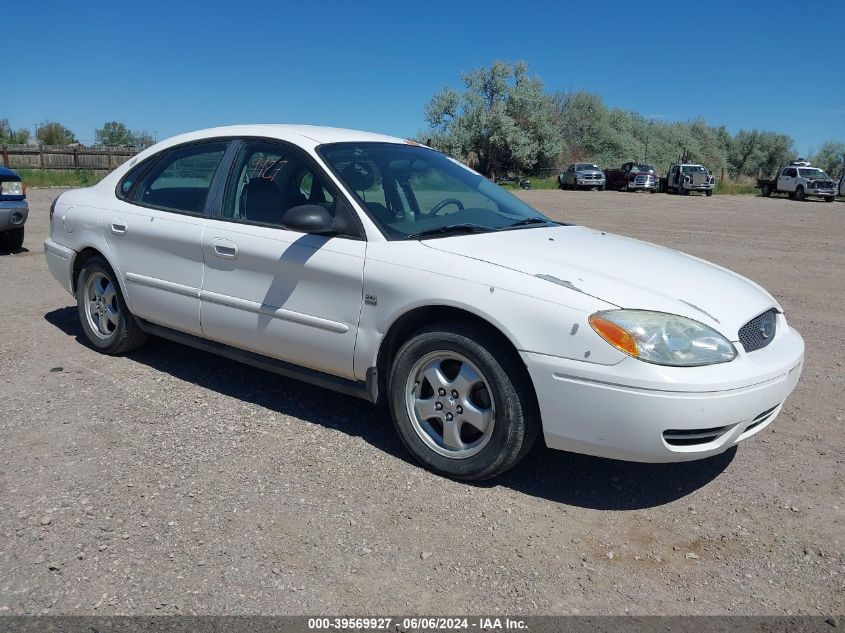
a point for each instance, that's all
(632, 177)
(684, 178)
(13, 210)
(799, 181)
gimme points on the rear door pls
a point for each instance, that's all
(155, 233)
(280, 293)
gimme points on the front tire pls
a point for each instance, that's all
(799, 193)
(105, 318)
(830, 199)
(708, 193)
(12, 239)
(461, 403)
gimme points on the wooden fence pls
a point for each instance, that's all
(96, 158)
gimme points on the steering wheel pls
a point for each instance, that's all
(445, 203)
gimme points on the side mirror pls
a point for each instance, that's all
(308, 218)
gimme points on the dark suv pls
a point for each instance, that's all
(13, 210)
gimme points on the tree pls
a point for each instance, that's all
(52, 133)
(143, 139)
(12, 137)
(114, 133)
(830, 157)
(501, 122)
(756, 152)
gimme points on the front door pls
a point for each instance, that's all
(155, 234)
(787, 179)
(280, 293)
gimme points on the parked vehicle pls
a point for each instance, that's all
(13, 210)
(581, 176)
(799, 182)
(684, 178)
(386, 270)
(632, 177)
(842, 184)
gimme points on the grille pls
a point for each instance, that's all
(593, 176)
(761, 418)
(759, 331)
(691, 437)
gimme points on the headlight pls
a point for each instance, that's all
(11, 188)
(663, 339)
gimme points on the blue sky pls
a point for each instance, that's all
(171, 67)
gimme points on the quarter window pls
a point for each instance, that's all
(181, 178)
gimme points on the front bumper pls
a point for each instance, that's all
(13, 214)
(704, 187)
(821, 192)
(624, 411)
(590, 183)
(60, 263)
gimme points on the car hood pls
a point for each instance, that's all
(622, 271)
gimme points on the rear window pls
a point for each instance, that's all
(181, 178)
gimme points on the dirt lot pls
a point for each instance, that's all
(172, 481)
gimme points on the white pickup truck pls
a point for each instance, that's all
(799, 180)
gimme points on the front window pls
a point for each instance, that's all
(410, 190)
(693, 169)
(268, 180)
(813, 172)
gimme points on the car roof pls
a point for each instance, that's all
(308, 136)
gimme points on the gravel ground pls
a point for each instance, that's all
(172, 481)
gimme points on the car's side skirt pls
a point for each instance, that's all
(366, 390)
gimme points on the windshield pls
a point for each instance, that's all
(812, 173)
(693, 169)
(586, 167)
(408, 189)
(643, 168)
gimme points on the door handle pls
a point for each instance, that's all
(225, 248)
(117, 227)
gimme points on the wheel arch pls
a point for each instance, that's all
(83, 256)
(411, 321)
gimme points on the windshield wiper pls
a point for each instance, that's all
(526, 222)
(452, 228)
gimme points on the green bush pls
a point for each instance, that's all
(60, 178)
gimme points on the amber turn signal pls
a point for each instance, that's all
(615, 335)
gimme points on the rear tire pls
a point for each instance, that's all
(105, 318)
(766, 191)
(12, 239)
(443, 430)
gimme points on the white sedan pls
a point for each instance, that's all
(384, 269)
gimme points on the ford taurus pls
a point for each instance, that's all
(384, 269)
